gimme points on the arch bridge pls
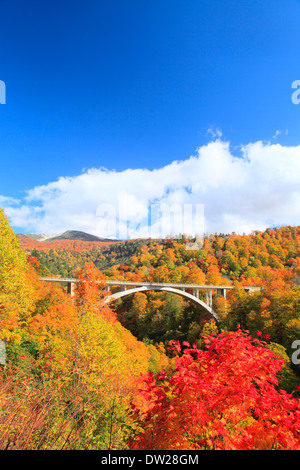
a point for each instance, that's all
(189, 291)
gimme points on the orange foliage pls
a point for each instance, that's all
(89, 293)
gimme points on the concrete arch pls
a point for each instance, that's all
(123, 293)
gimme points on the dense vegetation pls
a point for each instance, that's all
(269, 259)
(155, 372)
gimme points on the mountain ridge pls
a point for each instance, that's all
(69, 235)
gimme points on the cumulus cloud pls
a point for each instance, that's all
(211, 191)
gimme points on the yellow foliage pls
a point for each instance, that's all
(18, 283)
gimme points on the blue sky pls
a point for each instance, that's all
(139, 85)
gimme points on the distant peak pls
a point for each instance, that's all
(78, 235)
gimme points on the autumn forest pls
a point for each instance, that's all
(153, 370)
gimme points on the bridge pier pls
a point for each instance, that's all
(209, 297)
(70, 288)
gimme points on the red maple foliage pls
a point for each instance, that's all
(224, 397)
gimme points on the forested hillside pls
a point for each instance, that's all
(239, 256)
(153, 371)
(269, 259)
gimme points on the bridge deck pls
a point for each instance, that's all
(111, 282)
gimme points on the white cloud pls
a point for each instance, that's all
(7, 201)
(240, 194)
(277, 133)
(214, 132)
